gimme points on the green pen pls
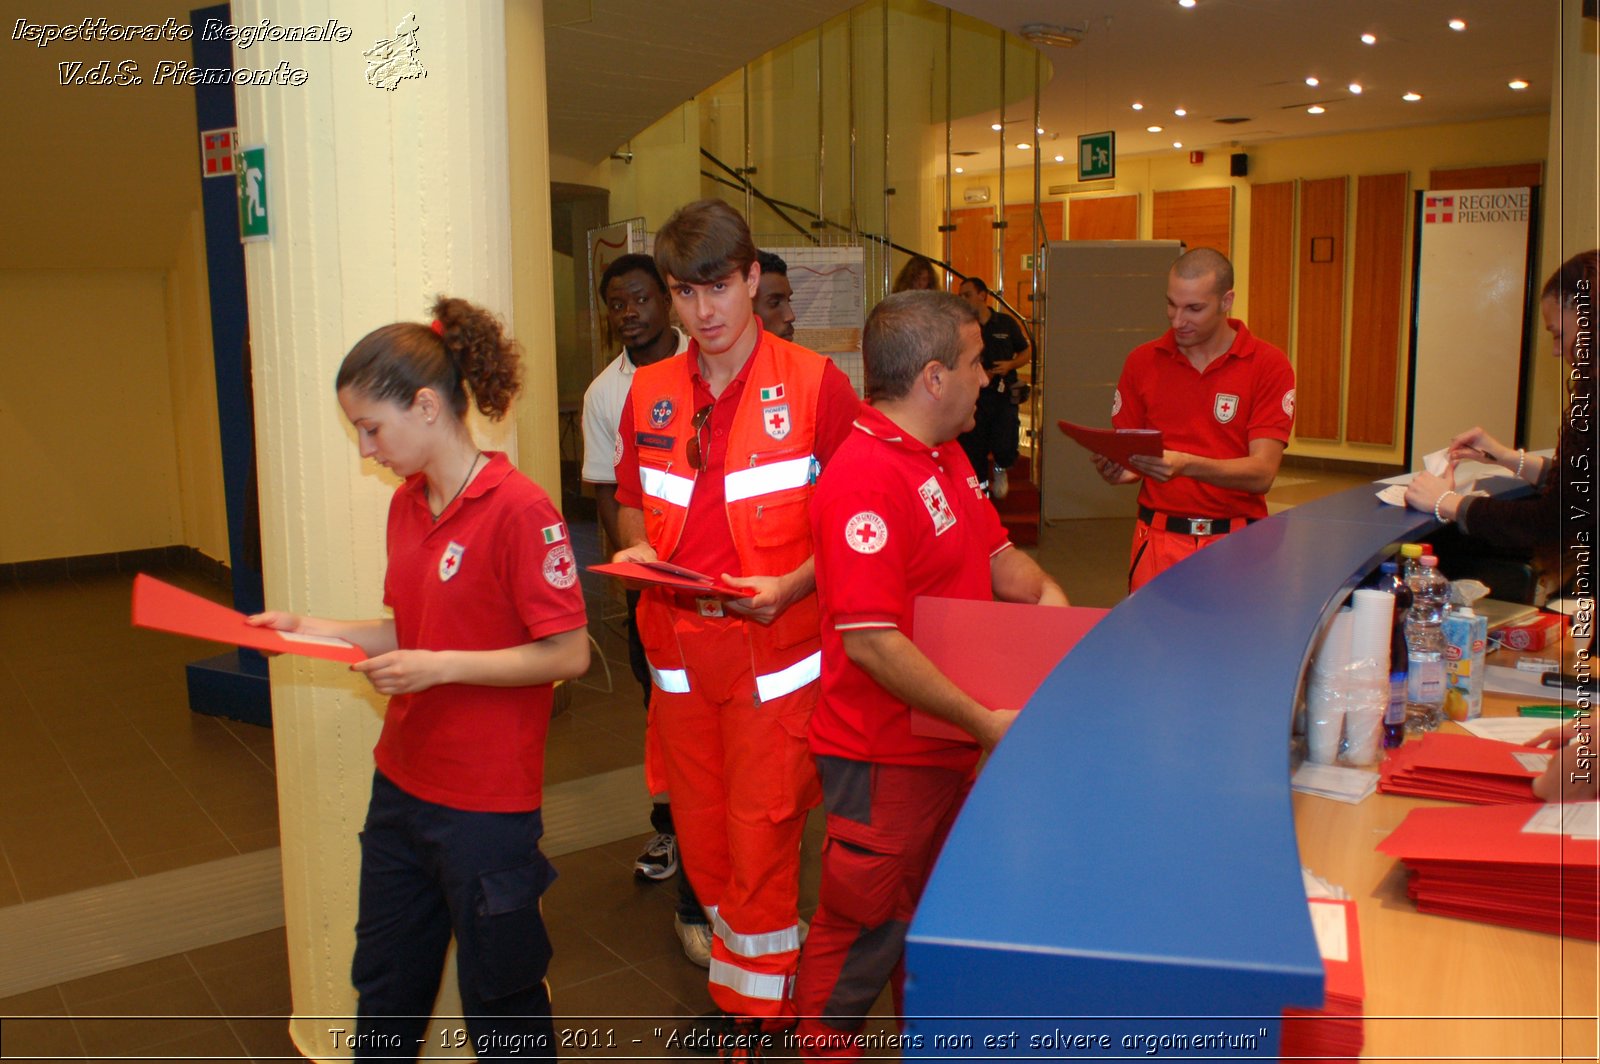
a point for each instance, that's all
(1560, 712)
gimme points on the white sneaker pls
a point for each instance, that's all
(696, 939)
(659, 859)
(999, 484)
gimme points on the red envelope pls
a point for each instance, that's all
(166, 608)
(947, 630)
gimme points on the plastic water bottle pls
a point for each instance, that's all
(1394, 715)
(1425, 644)
(1410, 561)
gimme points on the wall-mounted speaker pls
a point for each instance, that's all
(1238, 164)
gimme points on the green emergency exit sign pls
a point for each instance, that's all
(1097, 156)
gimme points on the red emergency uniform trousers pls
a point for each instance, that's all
(742, 781)
(886, 826)
(1155, 550)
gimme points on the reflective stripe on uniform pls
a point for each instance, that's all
(786, 681)
(764, 480)
(750, 984)
(672, 681)
(762, 945)
(670, 487)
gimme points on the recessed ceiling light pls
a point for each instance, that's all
(1152, 129)
(1355, 87)
(1023, 145)
(1315, 109)
(1061, 158)
(1039, 130)
(1369, 38)
(1177, 144)
(1179, 111)
(1138, 106)
(1412, 97)
(1458, 24)
(1186, 3)
(960, 170)
(1313, 82)
(996, 126)
(1518, 84)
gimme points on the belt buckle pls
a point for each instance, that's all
(709, 606)
(1200, 526)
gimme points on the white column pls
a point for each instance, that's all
(379, 199)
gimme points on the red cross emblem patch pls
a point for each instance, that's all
(775, 419)
(866, 533)
(450, 560)
(1224, 407)
(938, 506)
(560, 567)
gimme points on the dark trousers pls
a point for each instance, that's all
(428, 871)
(995, 438)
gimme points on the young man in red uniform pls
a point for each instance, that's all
(1224, 402)
(721, 446)
(900, 513)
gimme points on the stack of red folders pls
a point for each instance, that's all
(1463, 768)
(1528, 866)
(1333, 1032)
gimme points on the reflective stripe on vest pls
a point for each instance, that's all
(749, 984)
(762, 945)
(672, 681)
(787, 681)
(764, 480)
(663, 485)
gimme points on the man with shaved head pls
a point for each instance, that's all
(1224, 402)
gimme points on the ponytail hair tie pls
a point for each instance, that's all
(438, 327)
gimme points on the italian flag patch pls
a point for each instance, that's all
(553, 533)
(772, 394)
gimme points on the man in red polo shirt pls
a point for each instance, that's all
(900, 513)
(721, 446)
(1224, 402)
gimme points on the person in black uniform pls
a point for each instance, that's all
(992, 444)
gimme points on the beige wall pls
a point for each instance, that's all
(1415, 150)
(193, 377)
(90, 461)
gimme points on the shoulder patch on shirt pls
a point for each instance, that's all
(1116, 401)
(1288, 402)
(661, 412)
(938, 506)
(560, 567)
(775, 419)
(1224, 407)
(553, 533)
(450, 560)
(616, 453)
(866, 533)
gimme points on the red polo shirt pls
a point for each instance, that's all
(1246, 394)
(892, 519)
(495, 571)
(706, 545)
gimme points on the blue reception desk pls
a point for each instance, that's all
(1126, 867)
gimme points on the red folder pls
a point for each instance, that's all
(166, 608)
(1119, 445)
(669, 576)
(1334, 1031)
(958, 636)
(1460, 768)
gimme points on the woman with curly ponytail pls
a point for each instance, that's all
(487, 615)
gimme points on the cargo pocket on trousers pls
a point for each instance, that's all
(862, 874)
(512, 945)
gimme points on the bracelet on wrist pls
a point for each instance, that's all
(1522, 460)
(1437, 516)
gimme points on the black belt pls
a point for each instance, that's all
(1192, 526)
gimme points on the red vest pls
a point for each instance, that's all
(769, 471)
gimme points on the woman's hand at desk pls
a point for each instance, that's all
(1435, 495)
